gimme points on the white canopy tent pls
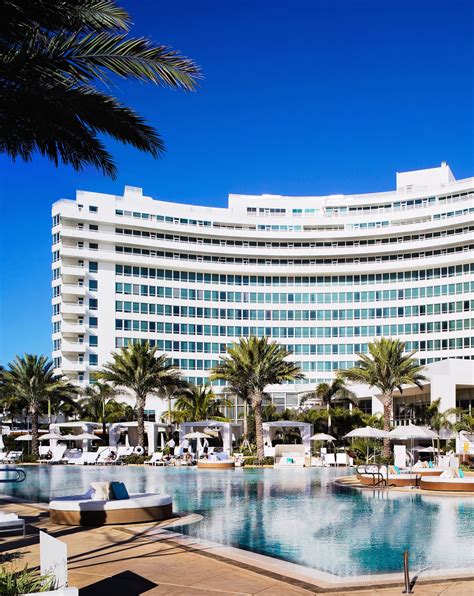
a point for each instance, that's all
(270, 429)
(228, 431)
(155, 434)
(73, 428)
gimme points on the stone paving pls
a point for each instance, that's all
(131, 561)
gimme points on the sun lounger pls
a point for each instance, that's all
(330, 459)
(14, 456)
(87, 458)
(156, 459)
(106, 456)
(10, 522)
(3, 456)
(342, 459)
(57, 455)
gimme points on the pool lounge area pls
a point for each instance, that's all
(299, 516)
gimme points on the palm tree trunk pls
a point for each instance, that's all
(34, 432)
(141, 421)
(328, 407)
(387, 416)
(104, 432)
(246, 422)
(257, 409)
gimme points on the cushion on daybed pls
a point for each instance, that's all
(119, 491)
(102, 491)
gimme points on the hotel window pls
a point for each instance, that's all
(93, 303)
(93, 267)
(93, 227)
(93, 321)
(93, 208)
(93, 341)
(93, 360)
(93, 246)
(93, 285)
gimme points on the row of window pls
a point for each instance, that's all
(145, 252)
(298, 280)
(272, 228)
(255, 244)
(239, 314)
(274, 332)
(291, 298)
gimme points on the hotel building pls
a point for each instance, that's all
(323, 275)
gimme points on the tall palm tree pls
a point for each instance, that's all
(329, 393)
(99, 405)
(139, 369)
(170, 394)
(255, 363)
(55, 55)
(31, 379)
(387, 368)
(197, 403)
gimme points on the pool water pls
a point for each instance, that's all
(298, 515)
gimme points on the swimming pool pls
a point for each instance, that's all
(298, 515)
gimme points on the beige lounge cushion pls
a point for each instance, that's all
(102, 491)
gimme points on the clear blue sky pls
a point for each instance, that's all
(300, 97)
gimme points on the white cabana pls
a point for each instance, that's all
(73, 428)
(270, 429)
(228, 431)
(155, 434)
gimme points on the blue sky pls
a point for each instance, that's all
(301, 97)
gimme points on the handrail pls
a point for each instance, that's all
(20, 475)
(375, 474)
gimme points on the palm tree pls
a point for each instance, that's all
(197, 403)
(387, 367)
(329, 393)
(170, 393)
(99, 405)
(31, 379)
(138, 369)
(255, 363)
(53, 53)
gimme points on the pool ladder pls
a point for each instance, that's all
(20, 475)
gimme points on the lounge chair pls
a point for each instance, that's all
(330, 459)
(156, 459)
(123, 452)
(3, 456)
(14, 456)
(342, 459)
(10, 522)
(87, 458)
(106, 456)
(57, 455)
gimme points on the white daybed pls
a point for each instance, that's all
(81, 510)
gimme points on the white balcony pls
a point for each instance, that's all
(72, 366)
(67, 327)
(73, 270)
(73, 289)
(71, 308)
(74, 347)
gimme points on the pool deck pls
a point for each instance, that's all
(144, 559)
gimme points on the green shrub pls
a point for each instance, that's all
(25, 581)
(135, 459)
(29, 458)
(254, 461)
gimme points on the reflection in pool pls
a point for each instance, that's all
(298, 515)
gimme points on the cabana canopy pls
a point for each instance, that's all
(77, 428)
(271, 428)
(153, 431)
(227, 430)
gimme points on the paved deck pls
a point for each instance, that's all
(142, 560)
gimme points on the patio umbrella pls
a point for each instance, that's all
(24, 438)
(367, 432)
(322, 437)
(410, 432)
(50, 436)
(197, 435)
(85, 437)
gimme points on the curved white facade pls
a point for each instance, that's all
(323, 275)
